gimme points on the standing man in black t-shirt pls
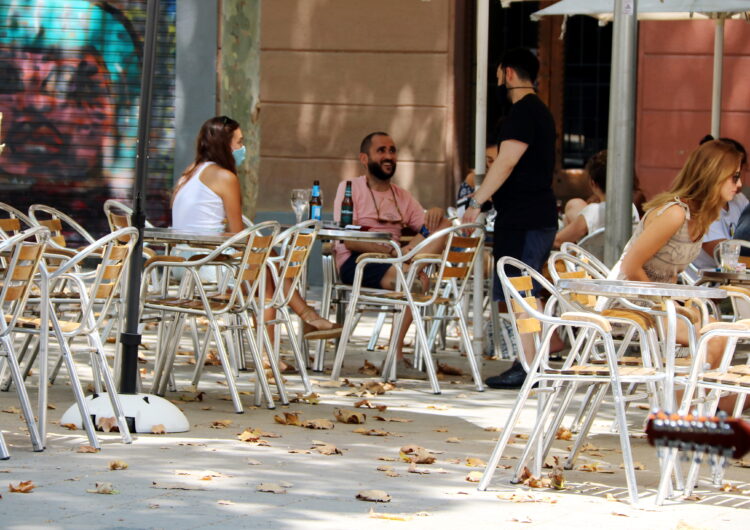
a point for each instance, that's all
(520, 184)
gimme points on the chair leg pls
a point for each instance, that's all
(598, 390)
(75, 383)
(388, 371)
(109, 384)
(421, 340)
(274, 362)
(225, 364)
(470, 354)
(23, 397)
(296, 349)
(376, 332)
(261, 384)
(345, 335)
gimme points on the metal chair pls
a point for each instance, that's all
(20, 256)
(233, 304)
(65, 231)
(448, 276)
(13, 221)
(555, 384)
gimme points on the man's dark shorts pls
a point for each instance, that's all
(372, 275)
(530, 246)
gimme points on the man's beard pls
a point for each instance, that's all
(377, 171)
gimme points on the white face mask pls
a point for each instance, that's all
(239, 155)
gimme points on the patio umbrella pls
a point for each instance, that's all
(718, 10)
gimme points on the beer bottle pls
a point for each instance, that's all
(347, 206)
(316, 204)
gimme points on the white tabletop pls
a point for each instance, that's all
(626, 289)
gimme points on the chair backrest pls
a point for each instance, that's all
(97, 288)
(119, 215)
(12, 221)
(594, 243)
(566, 266)
(293, 248)
(524, 288)
(63, 228)
(20, 256)
(584, 255)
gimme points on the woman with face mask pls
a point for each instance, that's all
(208, 198)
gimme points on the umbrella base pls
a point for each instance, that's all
(142, 412)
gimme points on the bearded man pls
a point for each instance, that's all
(381, 206)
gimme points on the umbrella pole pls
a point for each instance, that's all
(718, 77)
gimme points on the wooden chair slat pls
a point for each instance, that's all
(23, 272)
(256, 258)
(111, 272)
(518, 308)
(60, 240)
(118, 252)
(298, 255)
(460, 257)
(292, 271)
(30, 251)
(522, 283)
(262, 241)
(304, 240)
(104, 290)
(119, 221)
(528, 325)
(15, 292)
(464, 242)
(455, 272)
(54, 225)
(10, 224)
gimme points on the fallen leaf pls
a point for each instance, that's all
(300, 451)
(51, 406)
(349, 416)
(416, 454)
(390, 516)
(441, 429)
(221, 424)
(694, 497)
(271, 487)
(730, 488)
(188, 398)
(158, 429)
(418, 470)
(620, 514)
(108, 424)
(636, 465)
(253, 462)
(392, 419)
(563, 434)
(387, 458)
(524, 519)
(86, 449)
(474, 476)
(520, 496)
(385, 468)
(374, 432)
(69, 426)
(115, 465)
(330, 383)
(595, 467)
(207, 407)
(373, 496)
(289, 418)
(493, 429)
(312, 398)
(366, 404)
(224, 502)
(475, 462)
(327, 449)
(438, 407)
(612, 498)
(522, 436)
(22, 487)
(104, 488)
(318, 424)
(175, 486)
(12, 410)
(527, 479)
(557, 475)
(368, 369)
(376, 387)
(392, 474)
(453, 440)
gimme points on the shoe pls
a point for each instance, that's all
(512, 378)
(315, 327)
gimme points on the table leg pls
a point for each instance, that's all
(478, 294)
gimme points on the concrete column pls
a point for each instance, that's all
(239, 85)
(195, 86)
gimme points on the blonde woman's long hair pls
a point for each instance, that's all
(699, 183)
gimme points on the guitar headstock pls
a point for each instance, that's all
(714, 434)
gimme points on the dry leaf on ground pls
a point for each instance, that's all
(104, 488)
(557, 475)
(327, 449)
(86, 449)
(392, 419)
(387, 458)
(373, 496)
(527, 479)
(175, 486)
(330, 384)
(493, 429)
(191, 398)
(416, 454)
(319, 423)
(636, 465)
(115, 465)
(158, 429)
(418, 470)
(563, 434)
(438, 407)
(454, 440)
(289, 418)
(595, 467)
(349, 416)
(300, 451)
(474, 476)
(368, 369)
(390, 516)
(12, 410)
(446, 369)
(730, 488)
(224, 502)
(22, 487)
(376, 387)
(271, 487)
(441, 429)
(367, 404)
(374, 432)
(472, 461)
(519, 496)
(311, 398)
(69, 426)
(221, 424)
(108, 424)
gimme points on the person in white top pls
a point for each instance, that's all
(208, 198)
(588, 218)
(723, 228)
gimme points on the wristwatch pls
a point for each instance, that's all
(474, 204)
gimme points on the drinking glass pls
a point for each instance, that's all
(730, 255)
(300, 202)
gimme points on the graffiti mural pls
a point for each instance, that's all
(70, 73)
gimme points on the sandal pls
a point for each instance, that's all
(315, 326)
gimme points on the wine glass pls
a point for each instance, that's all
(300, 201)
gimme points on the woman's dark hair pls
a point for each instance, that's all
(213, 144)
(596, 167)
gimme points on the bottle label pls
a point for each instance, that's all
(316, 212)
(347, 216)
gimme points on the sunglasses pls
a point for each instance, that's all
(736, 176)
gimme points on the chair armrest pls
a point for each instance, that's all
(163, 259)
(372, 255)
(580, 316)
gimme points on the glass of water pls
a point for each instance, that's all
(730, 255)
(300, 202)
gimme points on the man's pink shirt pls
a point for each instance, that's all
(366, 214)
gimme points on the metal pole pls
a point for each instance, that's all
(130, 338)
(718, 74)
(621, 133)
(480, 139)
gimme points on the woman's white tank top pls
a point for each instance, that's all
(197, 208)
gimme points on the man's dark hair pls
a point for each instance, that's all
(523, 61)
(364, 147)
(596, 167)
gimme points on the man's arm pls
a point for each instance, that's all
(510, 153)
(365, 246)
(573, 232)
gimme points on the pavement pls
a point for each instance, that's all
(210, 478)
